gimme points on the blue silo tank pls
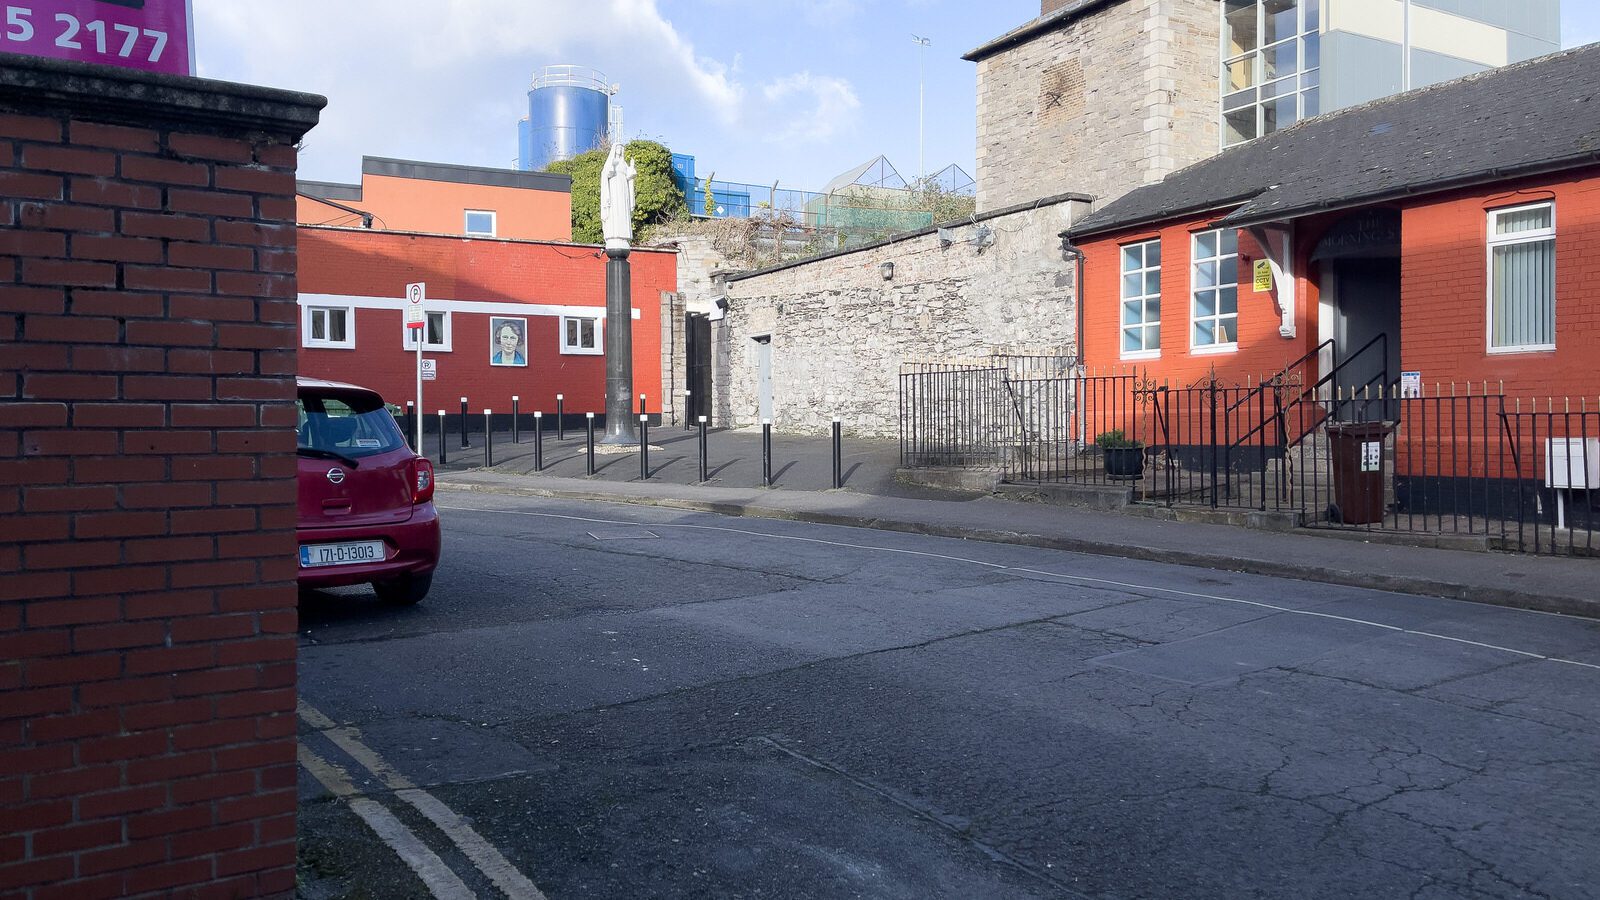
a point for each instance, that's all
(569, 109)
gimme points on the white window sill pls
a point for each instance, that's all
(1530, 348)
(428, 348)
(578, 351)
(1214, 350)
(325, 345)
(1137, 355)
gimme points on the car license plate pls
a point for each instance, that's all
(346, 554)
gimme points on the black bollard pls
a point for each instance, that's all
(644, 408)
(687, 396)
(766, 452)
(644, 446)
(411, 426)
(561, 418)
(516, 433)
(704, 477)
(464, 444)
(488, 439)
(538, 440)
(590, 420)
(442, 459)
(838, 470)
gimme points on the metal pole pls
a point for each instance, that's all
(687, 426)
(413, 434)
(619, 347)
(766, 452)
(644, 445)
(838, 469)
(703, 476)
(516, 433)
(421, 336)
(464, 444)
(589, 418)
(538, 440)
(442, 458)
(643, 408)
(561, 418)
(488, 439)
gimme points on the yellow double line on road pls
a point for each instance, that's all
(440, 879)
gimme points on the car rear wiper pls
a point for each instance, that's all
(319, 453)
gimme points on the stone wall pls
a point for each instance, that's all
(1100, 103)
(147, 483)
(840, 331)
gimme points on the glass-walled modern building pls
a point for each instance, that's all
(1286, 60)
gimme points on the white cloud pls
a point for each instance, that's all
(808, 108)
(402, 76)
(446, 80)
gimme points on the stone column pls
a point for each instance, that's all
(620, 408)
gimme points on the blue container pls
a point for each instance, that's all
(569, 111)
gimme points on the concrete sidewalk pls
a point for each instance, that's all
(872, 498)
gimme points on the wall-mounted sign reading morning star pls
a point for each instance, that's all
(153, 35)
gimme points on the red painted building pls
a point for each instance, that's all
(1407, 253)
(545, 300)
(1468, 243)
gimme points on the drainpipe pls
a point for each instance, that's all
(1069, 250)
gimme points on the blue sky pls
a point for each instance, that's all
(789, 90)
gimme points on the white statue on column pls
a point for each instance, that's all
(616, 199)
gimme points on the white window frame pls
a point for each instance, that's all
(494, 222)
(1144, 298)
(1307, 81)
(446, 333)
(599, 347)
(1223, 269)
(309, 313)
(1495, 241)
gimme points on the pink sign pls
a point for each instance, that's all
(153, 35)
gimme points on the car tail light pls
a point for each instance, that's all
(421, 480)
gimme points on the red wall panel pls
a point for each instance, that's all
(380, 264)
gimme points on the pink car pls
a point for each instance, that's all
(366, 500)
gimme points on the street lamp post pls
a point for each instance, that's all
(922, 55)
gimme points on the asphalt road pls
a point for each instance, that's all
(626, 701)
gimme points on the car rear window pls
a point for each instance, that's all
(351, 425)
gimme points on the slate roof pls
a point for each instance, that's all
(1537, 116)
(1026, 32)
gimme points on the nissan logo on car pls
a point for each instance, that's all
(336, 475)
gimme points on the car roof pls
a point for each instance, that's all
(302, 383)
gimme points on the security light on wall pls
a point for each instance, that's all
(887, 271)
(947, 236)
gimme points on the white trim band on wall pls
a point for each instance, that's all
(437, 304)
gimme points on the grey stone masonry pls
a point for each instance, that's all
(1098, 102)
(840, 330)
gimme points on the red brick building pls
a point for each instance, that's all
(1423, 265)
(147, 483)
(552, 295)
(1468, 242)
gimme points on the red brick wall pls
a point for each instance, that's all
(1262, 350)
(380, 264)
(147, 593)
(1444, 286)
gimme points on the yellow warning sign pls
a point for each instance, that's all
(1263, 276)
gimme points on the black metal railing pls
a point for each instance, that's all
(953, 414)
(1332, 449)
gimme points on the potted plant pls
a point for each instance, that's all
(1124, 458)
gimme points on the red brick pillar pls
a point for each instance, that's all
(147, 494)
